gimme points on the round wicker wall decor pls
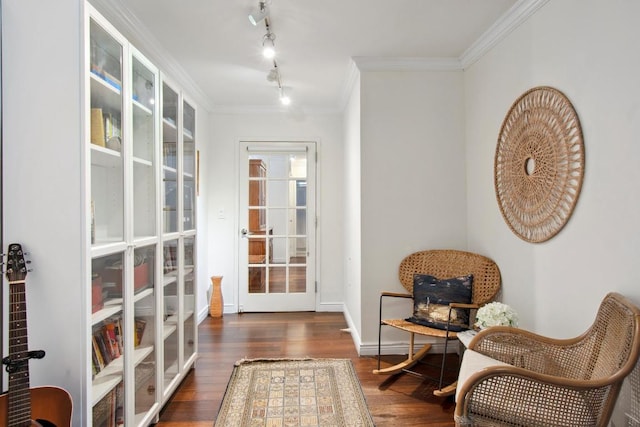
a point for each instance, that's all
(539, 164)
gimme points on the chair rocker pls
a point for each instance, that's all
(442, 264)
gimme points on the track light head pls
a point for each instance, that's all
(284, 98)
(268, 45)
(273, 75)
(259, 15)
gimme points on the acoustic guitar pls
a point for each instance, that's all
(23, 406)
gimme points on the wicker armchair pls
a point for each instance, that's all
(443, 264)
(549, 382)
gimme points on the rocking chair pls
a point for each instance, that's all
(442, 264)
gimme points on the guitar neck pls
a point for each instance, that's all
(19, 397)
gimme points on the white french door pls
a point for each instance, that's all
(277, 226)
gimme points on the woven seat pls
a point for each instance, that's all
(443, 264)
(551, 382)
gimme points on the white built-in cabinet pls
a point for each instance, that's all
(140, 203)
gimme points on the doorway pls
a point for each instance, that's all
(277, 226)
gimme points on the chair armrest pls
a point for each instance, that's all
(395, 294)
(511, 394)
(463, 305)
(528, 350)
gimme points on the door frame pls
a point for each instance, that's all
(315, 221)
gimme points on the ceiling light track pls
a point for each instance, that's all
(262, 13)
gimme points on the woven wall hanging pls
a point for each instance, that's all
(539, 164)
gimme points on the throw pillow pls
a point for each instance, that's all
(431, 298)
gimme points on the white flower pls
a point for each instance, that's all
(496, 314)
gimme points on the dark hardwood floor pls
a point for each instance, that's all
(400, 401)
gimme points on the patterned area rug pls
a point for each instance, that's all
(293, 392)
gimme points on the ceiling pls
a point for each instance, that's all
(218, 51)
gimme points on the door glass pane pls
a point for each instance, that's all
(277, 223)
(144, 287)
(297, 279)
(189, 298)
(189, 162)
(107, 188)
(144, 188)
(170, 310)
(169, 159)
(257, 278)
(277, 280)
(107, 353)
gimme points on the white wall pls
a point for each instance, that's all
(588, 50)
(596, 66)
(351, 214)
(412, 178)
(203, 145)
(226, 131)
(43, 181)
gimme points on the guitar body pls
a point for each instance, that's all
(50, 406)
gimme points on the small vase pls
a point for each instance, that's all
(216, 304)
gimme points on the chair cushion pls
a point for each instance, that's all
(431, 298)
(472, 362)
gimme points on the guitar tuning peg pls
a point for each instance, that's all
(28, 261)
(29, 270)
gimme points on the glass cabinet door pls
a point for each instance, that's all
(107, 170)
(170, 310)
(170, 158)
(189, 166)
(144, 289)
(189, 303)
(107, 340)
(144, 94)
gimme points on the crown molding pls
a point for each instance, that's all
(512, 19)
(118, 13)
(373, 63)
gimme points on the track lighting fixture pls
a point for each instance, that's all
(259, 15)
(269, 48)
(268, 45)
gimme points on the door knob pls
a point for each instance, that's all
(244, 232)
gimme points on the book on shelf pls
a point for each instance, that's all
(109, 330)
(98, 361)
(139, 331)
(97, 127)
(106, 343)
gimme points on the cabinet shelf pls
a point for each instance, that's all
(104, 94)
(142, 162)
(111, 375)
(170, 326)
(169, 131)
(102, 386)
(140, 109)
(109, 310)
(170, 173)
(105, 157)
